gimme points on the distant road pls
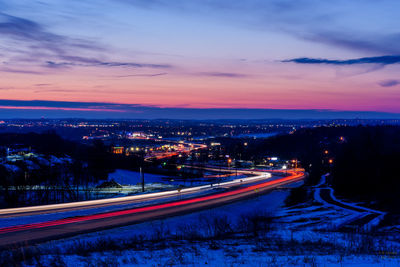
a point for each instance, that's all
(39, 232)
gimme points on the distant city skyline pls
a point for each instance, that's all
(199, 59)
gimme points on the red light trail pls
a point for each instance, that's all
(5, 230)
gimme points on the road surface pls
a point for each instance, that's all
(27, 234)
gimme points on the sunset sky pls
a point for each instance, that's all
(129, 58)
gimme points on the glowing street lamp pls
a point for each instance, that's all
(284, 167)
(229, 162)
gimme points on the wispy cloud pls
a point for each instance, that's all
(383, 60)
(21, 71)
(89, 62)
(40, 47)
(378, 43)
(222, 74)
(65, 105)
(142, 75)
(389, 83)
(314, 21)
(54, 90)
(37, 37)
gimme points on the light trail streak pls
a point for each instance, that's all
(293, 176)
(90, 203)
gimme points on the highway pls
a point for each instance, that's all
(38, 232)
(164, 155)
(43, 209)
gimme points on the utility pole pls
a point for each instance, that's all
(142, 177)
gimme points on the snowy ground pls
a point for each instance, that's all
(126, 177)
(129, 178)
(301, 235)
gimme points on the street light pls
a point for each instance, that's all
(284, 167)
(295, 161)
(142, 178)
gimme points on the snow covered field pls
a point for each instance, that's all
(126, 177)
